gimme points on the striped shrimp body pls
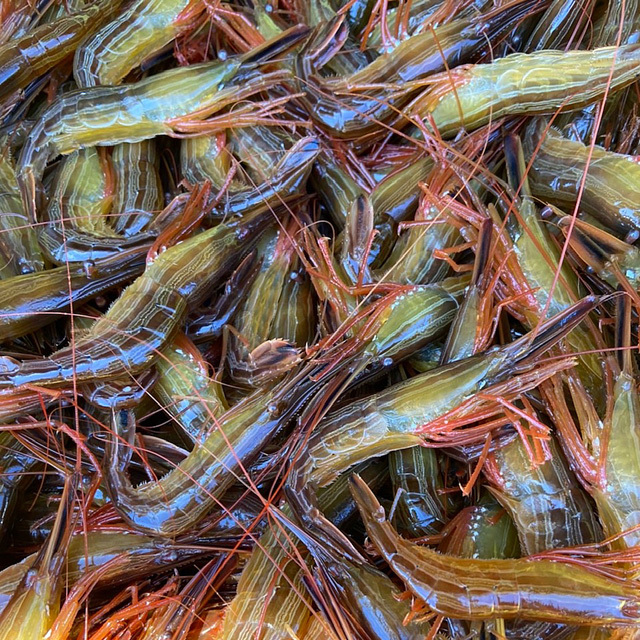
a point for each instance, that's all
(480, 589)
(158, 105)
(147, 314)
(525, 84)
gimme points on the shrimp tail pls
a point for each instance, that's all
(516, 166)
(594, 246)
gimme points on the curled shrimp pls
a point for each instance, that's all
(479, 589)
(184, 496)
(163, 104)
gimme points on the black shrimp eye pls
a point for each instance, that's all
(123, 417)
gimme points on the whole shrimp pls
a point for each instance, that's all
(163, 104)
(479, 589)
(392, 419)
(470, 96)
(544, 499)
(369, 102)
(539, 259)
(184, 496)
(149, 311)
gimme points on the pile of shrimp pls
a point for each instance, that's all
(319, 319)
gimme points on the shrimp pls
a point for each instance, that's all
(272, 327)
(343, 109)
(470, 96)
(558, 168)
(416, 480)
(375, 608)
(136, 34)
(545, 501)
(549, 507)
(138, 193)
(185, 495)
(209, 324)
(25, 58)
(559, 24)
(393, 419)
(539, 260)
(617, 489)
(147, 314)
(206, 158)
(31, 301)
(82, 193)
(162, 104)
(479, 589)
